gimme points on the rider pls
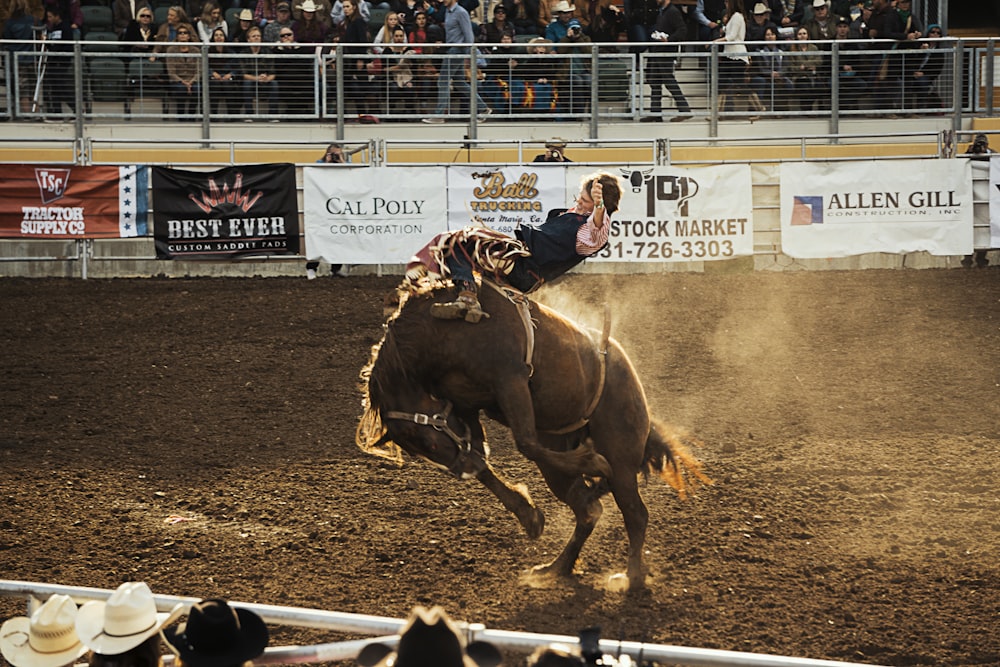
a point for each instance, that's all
(540, 254)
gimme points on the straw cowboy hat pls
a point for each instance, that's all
(216, 634)
(308, 6)
(246, 15)
(430, 639)
(563, 6)
(761, 8)
(47, 639)
(127, 619)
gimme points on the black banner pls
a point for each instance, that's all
(246, 210)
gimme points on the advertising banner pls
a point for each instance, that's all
(379, 215)
(73, 202)
(232, 212)
(994, 199)
(504, 197)
(838, 209)
(669, 214)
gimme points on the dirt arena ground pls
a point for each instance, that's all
(851, 421)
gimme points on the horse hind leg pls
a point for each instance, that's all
(583, 496)
(517, 500)
(625, 490)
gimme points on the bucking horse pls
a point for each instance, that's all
(569, 395)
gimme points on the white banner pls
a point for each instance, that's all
(838, 209)
(994, 199)
(504, 197)
(669, 214)
(376, 215)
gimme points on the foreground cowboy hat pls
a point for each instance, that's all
(127, 619)
(216, 634)
(430, 639)
(47, 639)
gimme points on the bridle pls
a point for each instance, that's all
(439, 422)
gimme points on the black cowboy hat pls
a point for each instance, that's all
(216, 634)
(430, 639)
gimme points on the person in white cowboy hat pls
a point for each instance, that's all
(126, 626)
(760, 21)
(47, 639)
(559, 27)
(217, 635)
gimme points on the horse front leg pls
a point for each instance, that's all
(516, 499)
(519, 415)
(584, 499)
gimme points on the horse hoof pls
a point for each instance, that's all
(534, 525)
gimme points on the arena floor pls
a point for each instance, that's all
(851, 421)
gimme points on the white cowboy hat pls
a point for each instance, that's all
(47, 639)
(761, 8)
(308, 6)
(819, 3)
(127, 619)
(563, 6)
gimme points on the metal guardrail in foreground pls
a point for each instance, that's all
(390, 627)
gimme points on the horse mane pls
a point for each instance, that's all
(386, 366)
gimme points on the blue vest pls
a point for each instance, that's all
(552, 246)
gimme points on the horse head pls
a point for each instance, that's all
(400, 415)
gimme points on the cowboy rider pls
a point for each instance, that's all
(566, 238)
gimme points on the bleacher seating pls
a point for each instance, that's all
(97, 17)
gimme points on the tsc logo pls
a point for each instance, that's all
(673, 190)
(52, 183)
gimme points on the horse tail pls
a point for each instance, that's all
(668, 455)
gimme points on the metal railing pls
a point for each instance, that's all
(107, 82)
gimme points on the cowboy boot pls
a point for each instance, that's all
(466, 307)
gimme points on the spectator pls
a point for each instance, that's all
(430, 638)
(337, 12)
(640, 17)
(355, 74)
(57, 81)
(556, 655)
(709, 15)
(69, 10)
(334, 154)
(210, 19)
(768, 78)
(853, 70)
(535, 73)
(264, 12)
(573, 73)
(260, 79)
(804, 71)
(297, 73)
(911, 24)
(886, 24)
(323, 13)
(124, 631)
(283, 20)
(760, 20)
(418, 33)
(407, 11)
(47, 639)
(21, 26)
(309, 29)
(735, 60)
(457, 30)
(559, 26)
(124, 12)
(565, 239)
(922, 69)
(184, 72)
(223, 73)
(243, 24)
(383, 38)
(491, 32)
(524, 14)
(399, 75)
(142, 31)
(217, 635)
(859, 26)
(167, 32)
(606, 22)
(670, 30)
(822, 25)
(555, 151)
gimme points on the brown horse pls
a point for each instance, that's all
(574, 406)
